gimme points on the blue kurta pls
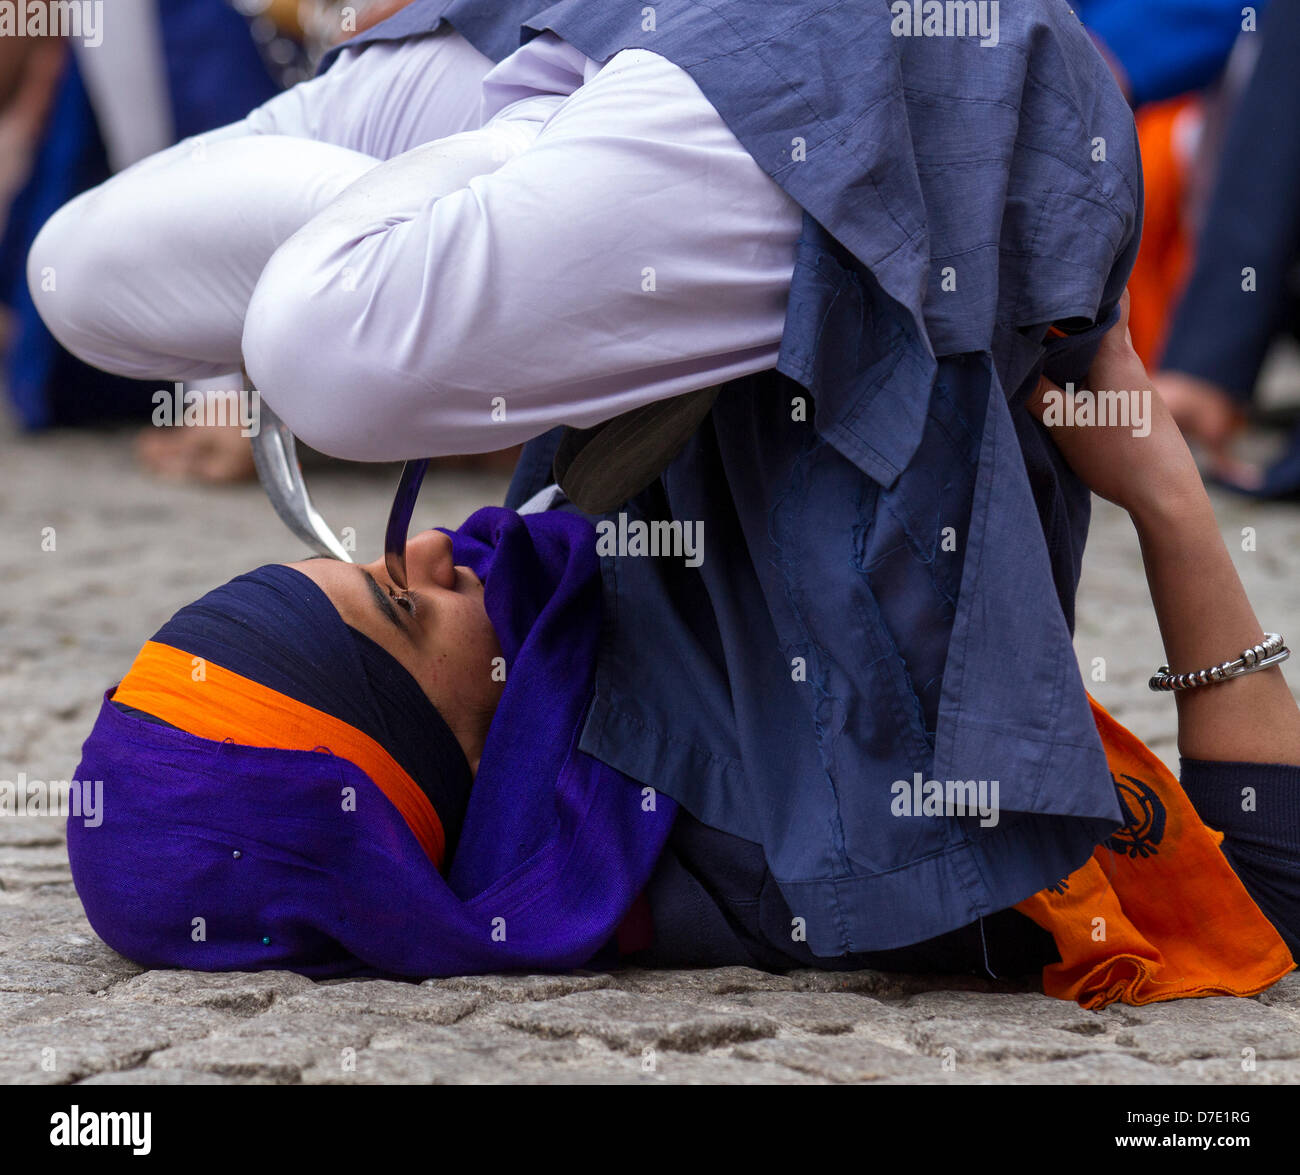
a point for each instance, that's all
(888, 578)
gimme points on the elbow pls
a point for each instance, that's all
(302, 353)
(348, 372)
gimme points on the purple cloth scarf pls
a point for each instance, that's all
(218, 857)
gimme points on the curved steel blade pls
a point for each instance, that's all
(399, 520)
(276, 457)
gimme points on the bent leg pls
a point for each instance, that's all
(149, 275)
(635, 251)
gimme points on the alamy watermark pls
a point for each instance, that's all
(76, 799)
(213, 408)
(946, 18)
(949, 797)
(82, 20)
(683, 540)
(126, 1128)
(1112, 408)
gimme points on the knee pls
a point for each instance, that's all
(71, 268)
(366, 363)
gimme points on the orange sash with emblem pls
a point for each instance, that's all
(1156, 913)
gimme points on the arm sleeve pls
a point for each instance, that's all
(1257, 808)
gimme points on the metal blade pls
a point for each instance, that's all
(276, 456)
(399, 520)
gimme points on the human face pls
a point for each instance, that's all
(438, 629)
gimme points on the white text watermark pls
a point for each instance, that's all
(1112, 408)
(946, 18)
(81, 20)
(77, 799)
(949, 797)
(195, 407)
(684, 540)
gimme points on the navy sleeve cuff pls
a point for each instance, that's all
(1251, 803)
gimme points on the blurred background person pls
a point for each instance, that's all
(1182, 64)
(76, 112)
(72, 114)
(1241, 297)
(1214, 90)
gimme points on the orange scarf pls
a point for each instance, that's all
(1156, 913)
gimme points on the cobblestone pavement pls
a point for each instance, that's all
(126, 552)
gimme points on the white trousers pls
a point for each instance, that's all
(417, 254)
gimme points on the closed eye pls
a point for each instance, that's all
(383, 601)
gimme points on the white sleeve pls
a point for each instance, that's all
(633, 251)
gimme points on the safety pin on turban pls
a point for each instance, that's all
(275, 454)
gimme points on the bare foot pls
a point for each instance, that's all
(499, 461)
(208, 453)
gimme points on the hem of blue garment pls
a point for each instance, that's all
(876, 911)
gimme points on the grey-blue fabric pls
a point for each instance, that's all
(891, 542)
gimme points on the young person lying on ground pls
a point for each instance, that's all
(310, 769)
(870, 241)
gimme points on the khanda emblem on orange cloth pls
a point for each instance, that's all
(1144, 818)
(1174, 919)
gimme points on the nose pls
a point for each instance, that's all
(429, 561)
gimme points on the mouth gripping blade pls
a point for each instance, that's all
(399, 520)
(276, 456)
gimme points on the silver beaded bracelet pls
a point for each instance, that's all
(1270, 651)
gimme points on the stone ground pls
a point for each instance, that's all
(127, 551)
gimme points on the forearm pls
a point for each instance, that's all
(1201, 606)
(1205, 618)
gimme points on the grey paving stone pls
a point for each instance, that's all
(476, 1054)
(515, 989)
(995, 1029)
(1089, 1069)
(45, 977)
(498, 1055)
(244, 993)
(819, 1013)
(275, 1047)
(166, 1077)
(93, 1038)
(382, 997)
(14, 1003)
(79, 946)
(1231, 1071)
(887, 985)
(852, 1059)
(1285, 993)
(1219, 1029)
(624, 1020)
(706, 981)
